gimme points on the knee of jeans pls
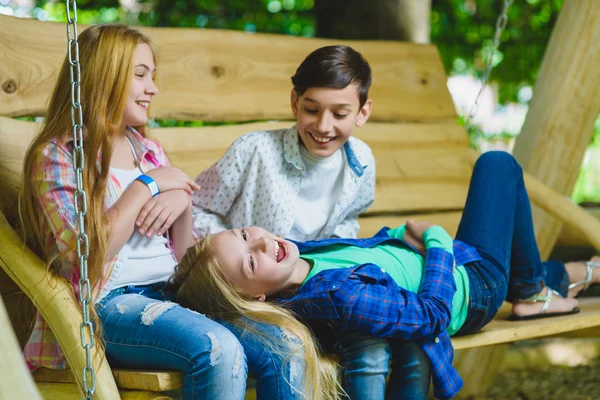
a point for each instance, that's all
(366, 354)
(225, 353)
(411, 359)
(283, 354)
(498, 161)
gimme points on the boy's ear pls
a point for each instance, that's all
(364, 113)
(294, 103)
(260, 297)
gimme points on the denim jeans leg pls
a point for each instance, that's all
(411, 372)
(275, 360)
(365, 362)
(497, 222)
(147, 333)
(557, 277)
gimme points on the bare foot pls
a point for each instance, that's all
(577, 272)
(558, 304)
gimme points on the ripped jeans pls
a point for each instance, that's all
(144, 330)
(278, 367)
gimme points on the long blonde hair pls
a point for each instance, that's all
(201, 286)
(106, 53)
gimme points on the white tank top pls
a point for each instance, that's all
(319, 192)
(146, 260)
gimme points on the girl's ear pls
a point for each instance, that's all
(260, 298)
(364, 113)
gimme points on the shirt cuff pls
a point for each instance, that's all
(437, 237)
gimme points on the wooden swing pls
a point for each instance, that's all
(423, 159)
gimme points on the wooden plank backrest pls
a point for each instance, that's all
(234, 76)
(420, 167)
(219, 75)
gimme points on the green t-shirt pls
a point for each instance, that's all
(404, 265)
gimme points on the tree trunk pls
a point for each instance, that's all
(406, 20)
(565, 105)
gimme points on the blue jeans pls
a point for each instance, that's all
(497, 221)
(365, 363)
(143, 329)
(279, 373)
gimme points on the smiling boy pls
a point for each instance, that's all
(310, 181)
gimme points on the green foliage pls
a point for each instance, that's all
(291, 17)
(463, 31)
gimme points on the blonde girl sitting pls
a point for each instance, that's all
(139, 222)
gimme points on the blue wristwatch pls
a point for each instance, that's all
(152, 185)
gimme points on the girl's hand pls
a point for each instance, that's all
(168, 178)
(159, 213)
(415, 242)
(416, 229)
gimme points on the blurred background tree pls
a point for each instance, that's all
(461, 29)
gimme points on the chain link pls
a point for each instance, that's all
(500, 25)
(86, 329)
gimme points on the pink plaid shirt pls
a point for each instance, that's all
(55, 179)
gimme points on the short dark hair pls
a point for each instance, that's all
(334, 67)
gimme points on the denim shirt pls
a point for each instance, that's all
(365, 299)
(257, 181)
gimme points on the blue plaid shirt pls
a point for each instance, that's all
(365, 299)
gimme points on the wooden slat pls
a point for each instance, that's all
(500, 330)
(405, 195)
(369, 225)
(224, 75)
(571, 237)
(562, 208)
(68, 391)
(157, 381)
(416, 162)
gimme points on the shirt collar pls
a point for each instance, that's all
(291, 149)
(142, 145)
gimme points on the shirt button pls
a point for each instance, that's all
(383, 270)
(437, 340)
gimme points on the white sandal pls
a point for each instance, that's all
(547, 299)
(589, 266)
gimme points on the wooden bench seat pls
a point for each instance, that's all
(500, 330)
(156, 381)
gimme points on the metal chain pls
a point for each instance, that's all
(86, 329)
(500, 25)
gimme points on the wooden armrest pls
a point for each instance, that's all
(559, 206)
(563, 208)
(54, 299)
